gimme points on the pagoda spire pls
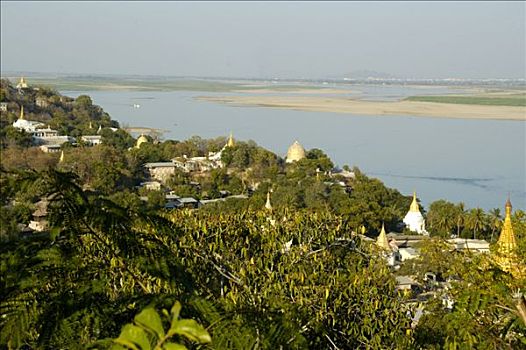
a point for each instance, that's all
(414, 204)
(268, 206)
(506, 257)
(230, 142)
(21, 113)
(61, 159)
(382, 241)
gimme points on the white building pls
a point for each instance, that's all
(27, 125)
(92, 140)
(151, 185)
(474, 245)
(50, 148)
(414, 220)
(53, 140)
(160, 171)
(45, 133)
(41, 135)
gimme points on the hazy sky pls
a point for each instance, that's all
(266, 39)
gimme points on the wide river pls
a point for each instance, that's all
(478, 162)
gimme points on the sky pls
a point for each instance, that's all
(266, 39)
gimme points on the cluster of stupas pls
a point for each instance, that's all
(48, 139)
(505, 254)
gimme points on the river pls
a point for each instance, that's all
(478, 162)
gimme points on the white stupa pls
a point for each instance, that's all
(28, 125)
(268, 205)
(414, 220)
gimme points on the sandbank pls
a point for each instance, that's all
(378, 108)
(277, 90)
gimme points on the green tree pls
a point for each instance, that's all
(460, 217)
(441, 218)
(495, 221)
(83, 101)
(476, 221)
(15, 137)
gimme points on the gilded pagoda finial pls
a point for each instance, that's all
(230, 142)
(506, 256)
(414, 204)
(21, 112)
(382, 241)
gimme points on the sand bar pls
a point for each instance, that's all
(321, 91)
(379, 108)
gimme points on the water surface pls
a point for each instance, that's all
(478, 162)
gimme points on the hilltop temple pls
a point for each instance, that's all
(22, 123)
(22, 84)
(414, 220)
(295, 152)
(506, 255)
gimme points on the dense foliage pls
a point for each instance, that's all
(101, 263)
(297, 276)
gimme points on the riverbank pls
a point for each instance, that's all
(377, 108)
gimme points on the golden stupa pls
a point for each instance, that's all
(142, 139)
(21, 113)
(382, 241)
(414, 204)
(230, 142)
(295, 152)
(61, 159)
(506, 255)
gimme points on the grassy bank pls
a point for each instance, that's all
(518, 100)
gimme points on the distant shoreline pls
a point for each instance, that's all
(377, 108)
